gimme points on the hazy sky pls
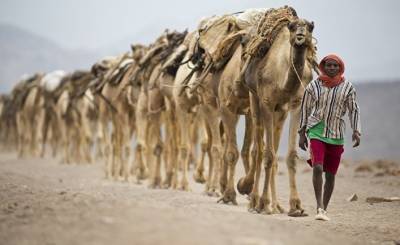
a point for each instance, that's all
(364, 33)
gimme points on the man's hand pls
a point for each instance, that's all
(356, 138)
(303, 144)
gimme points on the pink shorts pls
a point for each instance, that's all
(326, 154)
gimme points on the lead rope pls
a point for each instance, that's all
(294, 68)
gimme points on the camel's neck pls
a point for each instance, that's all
(298, 60)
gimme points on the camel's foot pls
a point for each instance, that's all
(174, 184)
(245, 185)
(168, 181)
(229, 196)
(263, 206)
(198, 176)
(119, 178)
(254, 199)
(155, 182)
(108, 176)
(277, 208)
(127, 177)
(88, 160)
(142, 174)
(184, 185)
(222, 184)
(212, 191)
(295, 208)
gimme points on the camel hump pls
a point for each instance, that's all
(268, 29)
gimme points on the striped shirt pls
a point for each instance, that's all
(329, 105)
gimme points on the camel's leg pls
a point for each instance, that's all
(31, 136)
(20, 135)
(231, 155)
(142, 170)
(106, 145)
(268, 159)
(294, 200)
(115, 164)
(194, 139)
(45, 129)
(205, 145)
(245, 184)
(245, 152)
(68, 144)
(37, 137)
(184, 120)
(211, 115)
(99, 141)
(155, 134)
(55, 135)
(172, 135)
(279, 119)
(126, 154)
(256, 160)
(63, 134)
(85, 134)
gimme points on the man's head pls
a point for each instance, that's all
(331, 65)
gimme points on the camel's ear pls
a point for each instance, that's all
(292, 25)
(133, 48)
(311, 26)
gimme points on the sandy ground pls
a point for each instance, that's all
(43, 202)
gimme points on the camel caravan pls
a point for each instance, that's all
(156, 111)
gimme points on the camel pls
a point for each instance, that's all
(8, 118)
(117, 104)
(186, 103)
(51, 128)
(161, 110)
(216, 101)
(3, 121)
(201, 103)
(72, 109)
(278, 79)
(149, 143)
(231, 106)
(30, 116)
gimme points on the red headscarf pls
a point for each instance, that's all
(327, 80)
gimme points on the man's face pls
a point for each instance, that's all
(331, 68)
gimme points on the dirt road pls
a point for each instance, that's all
(43, 202)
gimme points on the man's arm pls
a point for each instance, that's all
(354, 117)
(306, 105)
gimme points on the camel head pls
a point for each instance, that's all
(138, 51)
(301, 32)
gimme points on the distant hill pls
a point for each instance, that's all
(23, 52)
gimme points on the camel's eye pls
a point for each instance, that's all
(292, 26)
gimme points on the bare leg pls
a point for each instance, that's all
(328, 188)
(317, 183)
